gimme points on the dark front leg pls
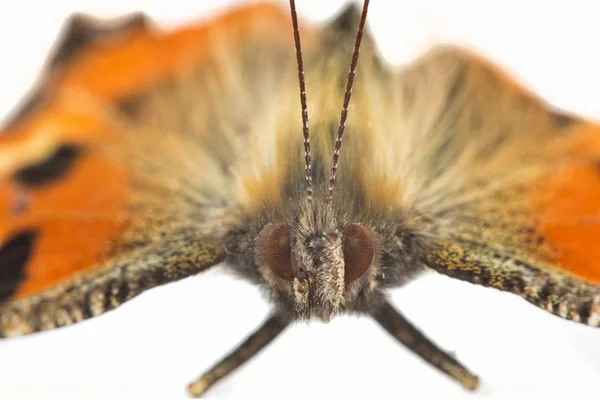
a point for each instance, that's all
(403, 331)
(245, 351)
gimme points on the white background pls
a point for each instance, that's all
(151, 347)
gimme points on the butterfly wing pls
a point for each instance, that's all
(97, 202)
(510, 186)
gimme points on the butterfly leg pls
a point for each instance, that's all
(245, 351)
(403, 331)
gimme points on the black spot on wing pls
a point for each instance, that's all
(49, 170)
(14, 255)
(82, 30)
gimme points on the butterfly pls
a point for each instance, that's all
(113, 186)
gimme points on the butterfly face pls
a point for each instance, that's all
(316, 269)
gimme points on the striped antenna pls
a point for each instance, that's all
(307, 159)
(348, 94)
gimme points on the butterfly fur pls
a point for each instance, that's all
(443, 158)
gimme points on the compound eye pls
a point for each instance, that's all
(278, 251)
(358, 251)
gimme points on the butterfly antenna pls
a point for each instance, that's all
(307, 158)
(347, 95)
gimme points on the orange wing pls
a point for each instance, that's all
(64, 203)
(513, 186)
(569, 214)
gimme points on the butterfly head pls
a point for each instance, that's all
(317, 268)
